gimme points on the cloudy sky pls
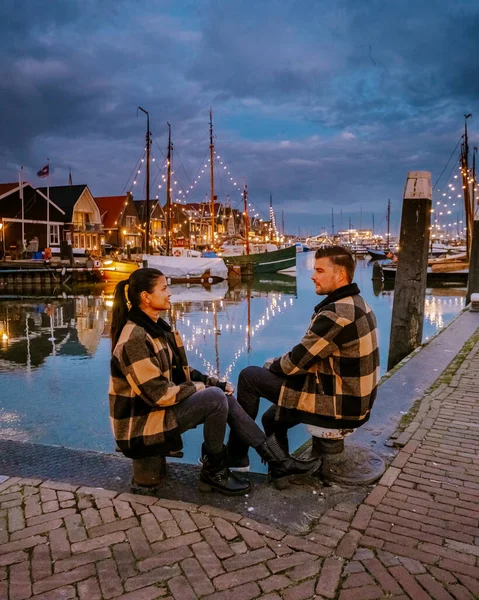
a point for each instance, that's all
(321, 103)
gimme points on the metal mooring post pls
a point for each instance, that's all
(410, 284)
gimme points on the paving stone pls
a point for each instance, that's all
(164, 558)
(240, 576)
(247, 591)
(274, 582)
(151, 577)
(89, 589)
(287, 562)
(247, 560)
(20, 582)
(41, 562)
(329, 578)
(181, 589)
(302, 591)
(305, 570)
(110, 582)
(208, 559)
(197, 577)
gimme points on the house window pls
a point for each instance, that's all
(130, 221)
(54, 235)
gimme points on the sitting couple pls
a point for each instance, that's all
(329, 379)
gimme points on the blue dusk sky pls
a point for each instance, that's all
(321, 103)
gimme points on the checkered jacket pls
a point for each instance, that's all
(334, 370)
(142, 391)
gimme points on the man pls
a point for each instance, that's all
(330, 378)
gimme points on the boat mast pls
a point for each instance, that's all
(148, 143)
(388, 219)
(332, 222)
(246, 217)
(212, 180)
(465, 186)
(168, 194)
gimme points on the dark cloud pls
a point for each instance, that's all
(320, 103)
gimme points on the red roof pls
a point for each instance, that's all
(111, 208)
(7, 187)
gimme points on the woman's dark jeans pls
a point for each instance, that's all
(215, 409)
(255, 383)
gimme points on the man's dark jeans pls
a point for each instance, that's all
(255, 383)
(214, 408)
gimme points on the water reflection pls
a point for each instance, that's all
(55, 350)
(33, 329)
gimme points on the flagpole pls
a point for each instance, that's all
(48, 205)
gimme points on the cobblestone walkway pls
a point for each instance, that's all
(415, 536)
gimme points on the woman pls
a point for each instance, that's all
(155, 396)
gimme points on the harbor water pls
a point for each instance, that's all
(55, 350)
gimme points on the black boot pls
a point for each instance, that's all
(282, 465)
(215, 475)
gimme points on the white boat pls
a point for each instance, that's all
(198, 293)
(239, 249)
(188, 269)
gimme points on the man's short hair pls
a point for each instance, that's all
(339, 256)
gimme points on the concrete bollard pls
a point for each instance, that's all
(410, 284)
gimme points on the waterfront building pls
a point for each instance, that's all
(81, 219)
(24, 214)
(120, 222)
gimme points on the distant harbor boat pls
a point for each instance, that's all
(264, 262)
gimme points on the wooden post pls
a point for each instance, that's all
(473, 280)
(410, 285)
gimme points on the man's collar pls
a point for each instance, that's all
(351, 289)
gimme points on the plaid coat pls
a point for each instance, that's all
(334, 371)
(144, 386)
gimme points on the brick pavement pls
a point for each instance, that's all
(415, 536)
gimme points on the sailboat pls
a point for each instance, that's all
(382, 253)
(179, 268)
(265, 259)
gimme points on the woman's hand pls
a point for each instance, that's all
(199, 386)
(229, 389)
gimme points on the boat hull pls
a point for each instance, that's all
(118, 270)
(449, 277)
(265, 262)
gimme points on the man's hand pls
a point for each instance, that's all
(229, 389)
(268, 363)
(199, 386)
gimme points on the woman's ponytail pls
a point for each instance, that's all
(141, 280)
(119, 314)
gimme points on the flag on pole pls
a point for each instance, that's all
(45, 172)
